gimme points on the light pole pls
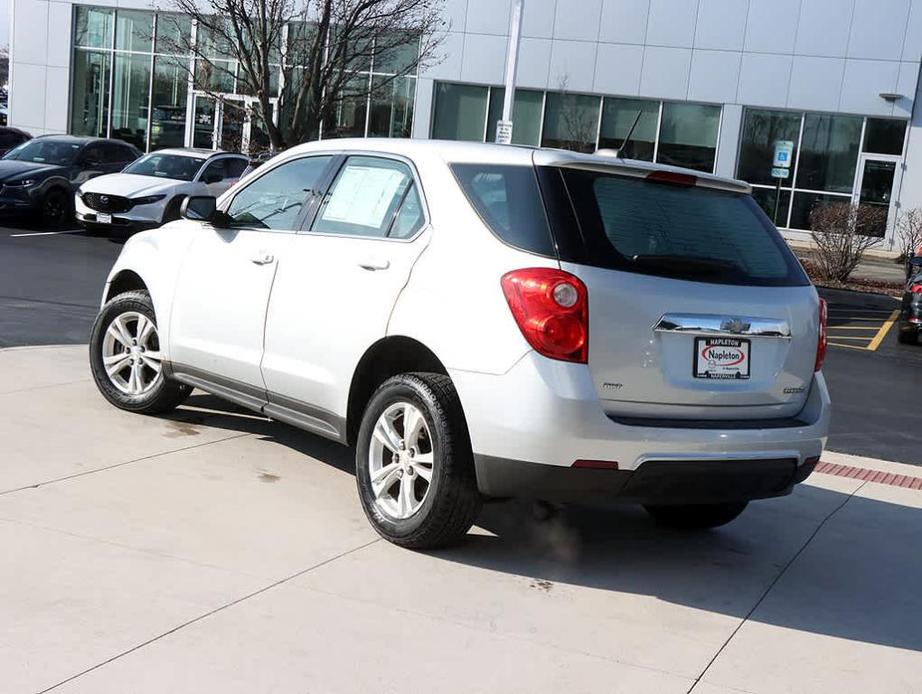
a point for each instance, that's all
(504, 127)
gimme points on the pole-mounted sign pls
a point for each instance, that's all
(781, 169)
(504, 126)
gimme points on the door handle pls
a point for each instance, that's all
(375, 264)
(263, 259)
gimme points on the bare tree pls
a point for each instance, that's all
(579, 123)
(909, 232)
(842, 233)
(306, 54)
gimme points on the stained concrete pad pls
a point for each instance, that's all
(214, 550)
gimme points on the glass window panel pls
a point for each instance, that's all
(409, 218)
(688, 136)
(396, 53)
(364, 198)
(884, 136)
(805, 203)
(215, 76)
(761, 129)
(134, 30)
(168, 115)
(526, 115)
(571, 121)
(274, 200)
(618, 116)
(203, 123)
(130, 98)
(392, 107)
(348, 118)
(93, 27)
(766, 199)
(460, 112)
(174, 34)
(90, 96)
(828, 153)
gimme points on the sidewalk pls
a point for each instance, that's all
(214, 551)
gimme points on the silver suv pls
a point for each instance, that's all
(484, 321)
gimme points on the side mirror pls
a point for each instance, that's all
(199, 208)
(214, 178)
(916, 262)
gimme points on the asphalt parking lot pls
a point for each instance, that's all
(215, 550)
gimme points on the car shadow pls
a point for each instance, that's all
(853, 576)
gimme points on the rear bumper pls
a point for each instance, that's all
(654, 482)
(529, 425)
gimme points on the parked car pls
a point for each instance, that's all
(486, 321)
(910, 321)
(40, 175)
(11, 137)
(148, 193)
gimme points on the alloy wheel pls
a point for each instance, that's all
(400, 461)
(131, 353)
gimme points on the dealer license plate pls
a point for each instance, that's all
(721, 358)
(103, 218)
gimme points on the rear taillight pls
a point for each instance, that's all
(551, 308)
(915, 289)
(821, 338)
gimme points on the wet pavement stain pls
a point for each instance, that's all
(268, 477)
(177, 429)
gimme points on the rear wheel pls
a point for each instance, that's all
(696, 516)
(414, 466)
(907, 337)
(126, 360)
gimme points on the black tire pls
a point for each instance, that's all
(452, 502)
(171, 213)
(696, 516)
(907, 337)
(55, 207)
(165, 395)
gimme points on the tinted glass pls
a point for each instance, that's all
(235, 166)
(166, 166)
(349, 113)
(274, 200)
(804, 204)
(45, 151)
(761, 129)
(134, 30)
(93, 27)
(173, 33)
(168, 115)
(618, 115)
(884, 136)
(409, 217)
(571, 121)
(829, 152)
(509, 202)
(90, 95)
(364, 198)
(526, 115)
(688, 136)
(130, 93)
(684, 232)
(765, 197)
(391, 106)
(460, 112)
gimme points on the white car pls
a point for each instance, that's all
(486, 321)
(149, 191)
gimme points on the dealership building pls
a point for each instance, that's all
(716, 84)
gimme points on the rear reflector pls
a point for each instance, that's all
(596, 464)
(676, 179)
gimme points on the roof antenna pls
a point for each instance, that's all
(627, 138)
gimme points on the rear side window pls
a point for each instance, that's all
(508, 200)
(686, 232)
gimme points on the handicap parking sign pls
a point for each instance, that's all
(784, 149)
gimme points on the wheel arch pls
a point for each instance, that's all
(387, 357)
(125, 281)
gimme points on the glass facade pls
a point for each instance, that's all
(131, 80)
(825, 162)
(682, 134)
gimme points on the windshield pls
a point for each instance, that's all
(166, 166)
(686, 232)
(43, 151)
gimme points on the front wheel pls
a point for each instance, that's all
(696, 516)
(126, 360)
(414, 466)
(55, 207)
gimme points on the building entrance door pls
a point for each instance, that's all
(228, 122)
(876, 181)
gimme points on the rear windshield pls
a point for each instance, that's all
(677, 231)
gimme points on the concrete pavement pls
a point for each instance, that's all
(213, 550)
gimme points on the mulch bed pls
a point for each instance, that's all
(856, 284)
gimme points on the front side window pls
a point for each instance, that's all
(685, 232)
(275, 199)
(166, 166)
(367, 199)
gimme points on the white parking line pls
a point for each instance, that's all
(46, 233)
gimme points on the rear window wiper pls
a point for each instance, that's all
(690, 265)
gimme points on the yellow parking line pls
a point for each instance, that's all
(884, 329)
